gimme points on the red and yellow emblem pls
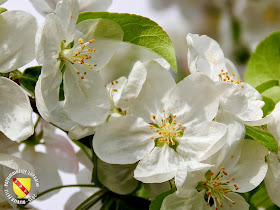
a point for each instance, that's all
(21, 186)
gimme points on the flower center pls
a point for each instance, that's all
(216, 188)
(226, 77)
(79, 54)
(167, 129)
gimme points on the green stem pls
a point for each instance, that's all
(37, 122)
(64, 186)
(90, 201)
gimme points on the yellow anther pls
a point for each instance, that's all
(81, 41)
(115, 90)
(180, 124)
(174, 116)
(152, 137)
(117, 82)
(173, 143)
(92, 40)
(163, 111)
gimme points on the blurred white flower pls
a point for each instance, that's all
(74, 53)
(48, 6)
(59, 155)
(257, 19)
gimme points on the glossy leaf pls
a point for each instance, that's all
(263, 137)
(29, 78)
(140, 31)
(264, 64)
(157, 202)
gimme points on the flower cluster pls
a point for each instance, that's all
(203, 135)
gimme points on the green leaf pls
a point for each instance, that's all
(29, 78)
(263, 137)
(2, 10)
(157, 202)
(268, 107)
(260, 199)
(264, 63)
(273, 93)
(267, 85)
(140, 31)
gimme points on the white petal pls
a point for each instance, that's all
(255, 104)
(48, 41)
(134, 85)
(158, 166)
(117, 178)
(86, 100)
(274, 124)
(115, 89)
(231, 68)
(41, 162)
(2, 1)
(44, 7)
(231, 98)
(14, 162)
(17, 40)
(189, 175)
(231, 151)
(123, 140)
(16, 120)
(251, 168)
(272, 179)
(59, 147)
(205, 55)
(67, 13)
(47, 89)
(151, 100)
(94, 5)
(201, 141)
(194, 100)
(108, 36)
(240, 204)
(194, 201)
(79, 131)
(60, 118)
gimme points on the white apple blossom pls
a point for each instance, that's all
(213, 185)
(17, 49)
(59, 155)
(48, 6)
(236, 96)
(166, 125)
(74, 53)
